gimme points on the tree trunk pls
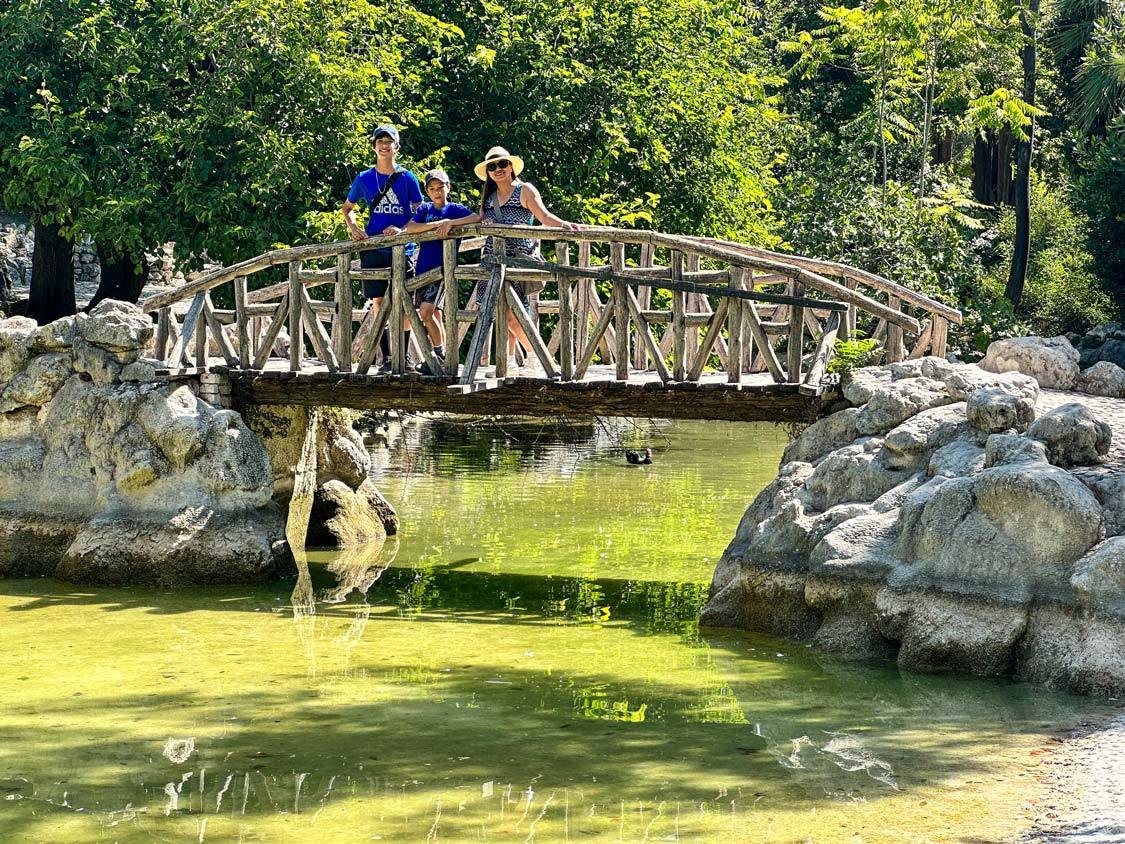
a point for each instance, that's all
(1022, 244)
(52, 275)
(992, 174)
(122, 278)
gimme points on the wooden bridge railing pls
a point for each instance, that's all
(725, 306)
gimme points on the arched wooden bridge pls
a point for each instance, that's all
(732, 332)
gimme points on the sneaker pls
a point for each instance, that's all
(385, 365)
(423, 368)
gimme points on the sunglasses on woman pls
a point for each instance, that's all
(503, 164)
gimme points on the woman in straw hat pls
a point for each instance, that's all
(508, 201)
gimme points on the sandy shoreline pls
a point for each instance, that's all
(1083, 779)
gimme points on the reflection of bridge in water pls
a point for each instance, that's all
(629, 323)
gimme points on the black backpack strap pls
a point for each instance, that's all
(386, 187)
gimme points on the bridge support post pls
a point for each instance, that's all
(244, 350)
(215, 389)
(501, 329)
(796, 334)
(895, 350)
(296, 338)
(620, 313)
(398, 309)
(679, 320)
(734, 339)
(566, 312)
(342, 325)
(451, 302)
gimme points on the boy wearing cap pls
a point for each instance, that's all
(392, 195)
(439, 215)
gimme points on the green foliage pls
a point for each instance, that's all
(1062, 292)
(852, 354)
(232, 127)
(627, 112)
(215, 124)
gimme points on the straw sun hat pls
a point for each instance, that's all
(498, 154)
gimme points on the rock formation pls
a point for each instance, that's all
(939, 520)
(348, 509)
(108, 475)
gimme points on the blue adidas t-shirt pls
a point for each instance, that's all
(430, 255)
(394, 208)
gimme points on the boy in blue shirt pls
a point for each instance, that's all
(439, 215)
(392, 195)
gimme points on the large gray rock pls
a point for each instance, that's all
(1051, 361)
(100, 365)
(1111, 350)
(892, 404)
(1073, 650)
(993, 410)
(37, 383)
(112, 482)
(941, 632)
(195, 547)
(1099, 578)
(1102, 379)
(860, 383)
(15, 339)
(31, 544)
(342, 518)
(857, 472)
(118, 326)
(1073, 435)
(823, 436)
(848, 623)
(178, 423)
(57, 336)
(861, 548)
(954, 544)
(1109, 488)
(966, 380)
(1008, 449)
(919, 435)
(1011, 533)
(958, 459)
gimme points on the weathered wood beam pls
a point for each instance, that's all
(533, 397)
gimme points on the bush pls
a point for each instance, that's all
(1062, 292)
(852, 354)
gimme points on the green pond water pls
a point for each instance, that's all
(529, 668)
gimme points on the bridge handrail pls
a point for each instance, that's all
(791, 266)
(720, 309)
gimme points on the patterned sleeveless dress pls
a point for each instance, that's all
(512, 213)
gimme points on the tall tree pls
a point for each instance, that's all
(1017, 275)
(215, 124)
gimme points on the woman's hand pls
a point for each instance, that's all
(570, 227)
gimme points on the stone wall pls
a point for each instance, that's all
(951, 518)
(17, 243)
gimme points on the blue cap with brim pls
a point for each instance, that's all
(385, 129)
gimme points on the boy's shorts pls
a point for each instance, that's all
(379, 259)
(431, 293)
